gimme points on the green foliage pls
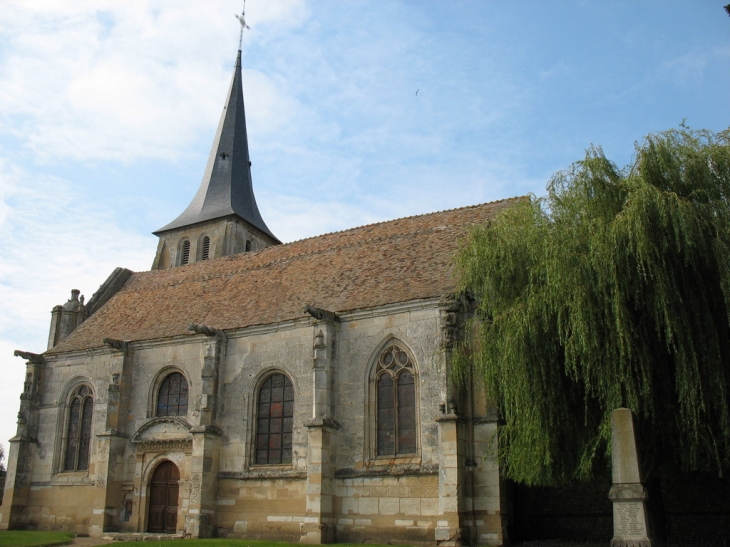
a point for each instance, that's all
(612, 291)
(226, 543)
(22, 538)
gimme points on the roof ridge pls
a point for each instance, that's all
(404, 218)
(313, 252)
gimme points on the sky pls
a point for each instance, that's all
(358, 112)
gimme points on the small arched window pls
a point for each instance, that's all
(274, 420)
(185, 257)
(248, 245)
(78, 432)
(395, 401)
(205, 254)
(172, 397)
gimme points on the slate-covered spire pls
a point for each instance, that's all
(226, 188)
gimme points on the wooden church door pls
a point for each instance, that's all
(164, 491)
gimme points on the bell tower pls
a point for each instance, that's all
(223, 218)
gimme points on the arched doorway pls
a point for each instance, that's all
(163, 499)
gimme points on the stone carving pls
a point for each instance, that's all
(204, 329)
(120, 345)
(319, 341)
(452, 311)
(114, 386)
(184, 445)
(319, 314)
(34, 358)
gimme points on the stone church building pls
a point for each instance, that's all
(248, 388)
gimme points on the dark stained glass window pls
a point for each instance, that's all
(274, 420)
(172, 398)
(395, 395)
(78, 432)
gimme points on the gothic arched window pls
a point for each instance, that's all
(172, 397)
(275, 414)
(395, 403)
(248, 245)
(78, 431)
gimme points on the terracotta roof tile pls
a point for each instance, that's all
(389, 262)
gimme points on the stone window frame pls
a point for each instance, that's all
(200, 247)
(371, 409)
(154, 392)
(263, 376)
(181, 261)
(70, 394)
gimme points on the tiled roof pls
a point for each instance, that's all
(389, 262)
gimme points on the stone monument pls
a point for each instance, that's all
(630, 525)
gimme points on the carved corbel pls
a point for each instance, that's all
(452, 311)
(34, 358)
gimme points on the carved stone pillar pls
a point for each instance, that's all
(449, 531)
(22, 446)
(454, 434)
(214, 353)
(488, 505)
(322, 435)
(110, 447)
(200, 519)
(137, 518)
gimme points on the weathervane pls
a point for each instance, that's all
(242, 19)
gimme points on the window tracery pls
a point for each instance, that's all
(78, 432)
(395, 403)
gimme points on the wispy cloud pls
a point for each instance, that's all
(52, 242)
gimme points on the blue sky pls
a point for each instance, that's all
(108, 110)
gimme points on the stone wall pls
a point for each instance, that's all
(336, 486)
(261, 508)
(403, 508)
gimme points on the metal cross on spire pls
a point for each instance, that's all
(242, 19)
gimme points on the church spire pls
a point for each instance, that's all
(226, 189)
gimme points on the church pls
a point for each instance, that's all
(246, 388)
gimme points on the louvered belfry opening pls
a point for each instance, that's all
(185, 252)
(205, 255)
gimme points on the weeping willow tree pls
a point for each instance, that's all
(612, 291)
